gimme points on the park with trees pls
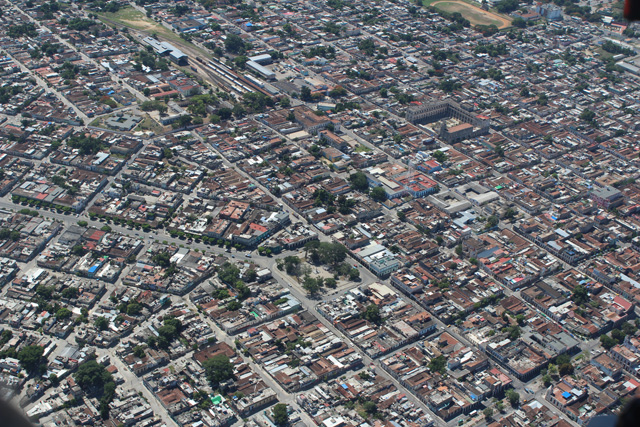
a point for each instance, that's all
(330, 256)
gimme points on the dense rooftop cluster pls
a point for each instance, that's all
(328, 213)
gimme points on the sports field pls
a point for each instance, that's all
(473, 13)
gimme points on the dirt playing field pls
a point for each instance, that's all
(474, 14)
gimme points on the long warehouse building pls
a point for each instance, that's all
(263, 71)
(164, 49)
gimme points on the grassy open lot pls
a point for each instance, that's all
(148, 124)
(132, 18)
(604, 55)
(471, 12)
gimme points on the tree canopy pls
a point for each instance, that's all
(94, 377)
(513, 396)
(580, 295)
(378, 194)
(372, 314)
(101, 323)
(30, 357)
(235, 44)
(438, 364)
(218, 369)
(359, 181)
(327, 253)
(91, 374)
(85, 144)
(280, 414)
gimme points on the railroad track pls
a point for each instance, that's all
(192, 53)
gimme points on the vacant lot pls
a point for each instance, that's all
(132, 18)
(149, 124)
(474, 14)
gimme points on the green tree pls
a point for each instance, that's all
(234, 305)
(542, 99)
(628, 328)
(218, 369)
(138, 351)
(221, 294)
(367, 46)
(617, 335)
(101, 323)
(5, 336)
(492, 221)
(94, 378)
(327, 253)
(438, 364)
(565, 369)
(378, 194)
(133, 309)
(305, 94)
(85, 144)
(162, 259)
(330, 282)
(580, 295)
(587, 115)
(514, 332)
(440, 156)
(234, 44)
(69, 293)
(280, 414)
(337, 92)
(372, 314)
(91, 375)
(312, 285)
(513, 396)
(63, 313)
(488, 413)
(510, 213)
(30, 357)
(229, 273)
